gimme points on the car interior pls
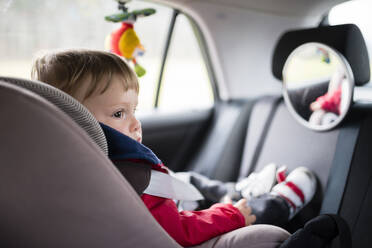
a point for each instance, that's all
(59, 189)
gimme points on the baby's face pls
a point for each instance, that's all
(116, 108)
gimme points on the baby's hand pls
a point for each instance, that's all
(315, 106)
(246, 211)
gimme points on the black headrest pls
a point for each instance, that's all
(346, 39)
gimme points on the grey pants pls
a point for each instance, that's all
(269, 209)
(254, 236)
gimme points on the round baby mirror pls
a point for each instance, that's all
(318, 86)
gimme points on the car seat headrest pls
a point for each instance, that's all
(67, 104)
(346, 39)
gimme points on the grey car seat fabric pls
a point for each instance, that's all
(58, 190)
(254, 236)
(356, 202)
(287, 142)
(259, 121)
(68, 105)
(220, 156)
(137, 174)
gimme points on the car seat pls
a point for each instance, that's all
(137, 174)
(58, 189)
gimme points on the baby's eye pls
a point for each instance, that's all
(119, 114)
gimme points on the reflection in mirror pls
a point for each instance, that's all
(318, 86)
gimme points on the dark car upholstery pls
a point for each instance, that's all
(220, 155)
(341, 158)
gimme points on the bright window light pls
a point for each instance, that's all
(357, 12)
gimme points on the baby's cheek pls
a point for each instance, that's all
(125, 130)
(115, 125)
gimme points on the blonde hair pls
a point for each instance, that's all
(67, 70)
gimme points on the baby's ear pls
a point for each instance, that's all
(137, 174)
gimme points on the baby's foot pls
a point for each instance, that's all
(257, 183)
(297, 189)
(281, 174)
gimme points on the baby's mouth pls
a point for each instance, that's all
(138, 137)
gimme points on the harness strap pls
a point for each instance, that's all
(338, 175)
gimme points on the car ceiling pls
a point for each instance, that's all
(282, 7)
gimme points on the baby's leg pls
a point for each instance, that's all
(268, 208)
(286, 198)
(212, 190)
(254, 236)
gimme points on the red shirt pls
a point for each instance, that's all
(331, 101)
(190, 228)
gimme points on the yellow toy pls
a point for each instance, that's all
(124, 41)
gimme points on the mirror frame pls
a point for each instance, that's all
(349, 75)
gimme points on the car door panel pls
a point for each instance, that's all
(174, 137)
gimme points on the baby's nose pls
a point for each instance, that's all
(136, 125)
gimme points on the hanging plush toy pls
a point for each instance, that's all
(124, 41)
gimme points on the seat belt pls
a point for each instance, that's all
(259, 123)
(339, 172)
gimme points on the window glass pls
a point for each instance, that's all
(357, 12)
(152, 31)
(29, 26)
(185, 83)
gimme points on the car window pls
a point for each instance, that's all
(185, 83)
(65, 24)
(152, 32)
(358, 13)
(29, 26)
